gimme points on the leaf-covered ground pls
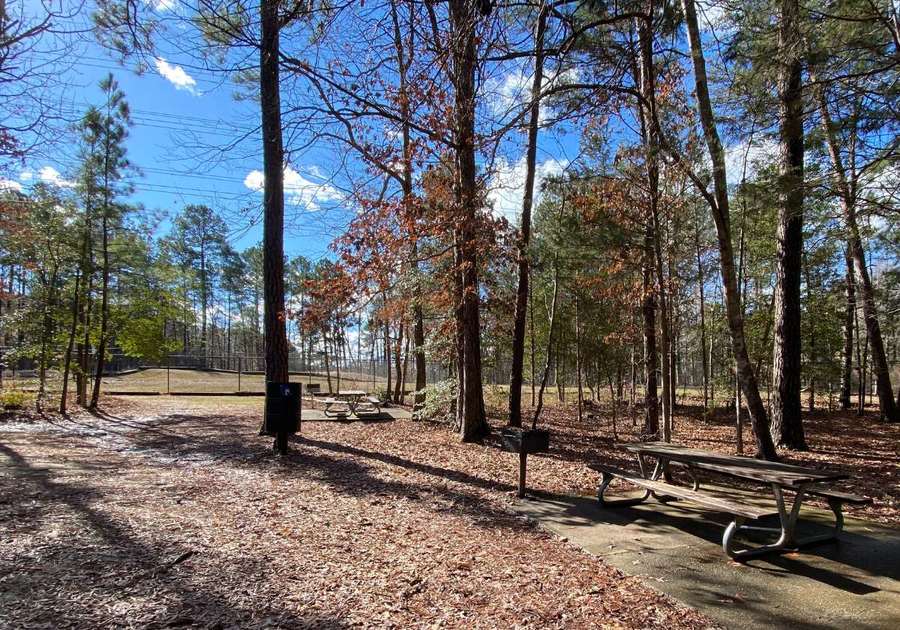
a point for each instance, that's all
(171, 512)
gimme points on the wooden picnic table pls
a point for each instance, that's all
(778, 477)
(350, 400)
(739, 466)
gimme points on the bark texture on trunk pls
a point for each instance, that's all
(274, 326)
(650, 135)
(104, 313)
(518, 342)
(721, 217)
(703, 352)
(470, 408)
(847, 352)
(70, 345)
(648, 313)
(787, 420)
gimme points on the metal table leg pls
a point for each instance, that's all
(787, 538)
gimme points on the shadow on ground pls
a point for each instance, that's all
(850, 584)
(86, 570)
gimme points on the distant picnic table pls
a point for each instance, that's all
(778, 477)
(349, 402)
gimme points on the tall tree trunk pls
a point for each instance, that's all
(721, 217)
(204, 296)
(847, 189)
(470, 413)
(387, 359)
(524, 236)
(742, 291)
(813, 349)
(648, 311)
(650, 134)
(327, 357)
(552, 325)
(275, 329)
(787, 420)
(704, 358)
(654, 298)
(398, 367)
(405, 367)
(847, 353)
(337, 344)
(46, 336)
(104, 311)
(87, 274)
(533, 343)
(73, 330)
(578, 361)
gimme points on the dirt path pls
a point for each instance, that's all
(160, 514)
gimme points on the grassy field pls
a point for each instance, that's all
(188, 381)
(198, 381)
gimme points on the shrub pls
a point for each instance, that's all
(439, 400)
(384, 395)
(14, 399)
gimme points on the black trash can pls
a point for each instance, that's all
(282, 408)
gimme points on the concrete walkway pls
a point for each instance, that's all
(677, 549)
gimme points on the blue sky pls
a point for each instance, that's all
(192, 142)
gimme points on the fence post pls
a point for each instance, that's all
(239, 373)
(168, 374)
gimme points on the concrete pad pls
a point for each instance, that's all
(677, 549)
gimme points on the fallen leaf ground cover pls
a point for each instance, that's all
(172, 512)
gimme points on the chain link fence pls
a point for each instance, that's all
(220, 374)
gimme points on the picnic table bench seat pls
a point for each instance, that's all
(369, 404)
(839, 495)
(335, 407)
(663, 491)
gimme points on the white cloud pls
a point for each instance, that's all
(7, 185)
(882, 185)
(713, 14)
(50, 175)
(25, 176)
(176, 75)
(161, 5)
(763, 151)
(315, 171)
(299, 190)
(511, 92)
(507, 185)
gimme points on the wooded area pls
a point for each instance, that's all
(729, 224)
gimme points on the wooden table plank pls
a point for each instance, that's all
(735, 465)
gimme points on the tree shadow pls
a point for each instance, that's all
(206, 439)
(100, 565)
(394, 460)
(875, 556)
